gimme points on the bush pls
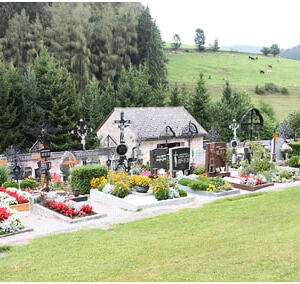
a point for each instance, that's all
(81, 177)
(293, 161)
(284, 90)
(199, 185)
(262, 165)
(296, 148)
(259, 90)
(199, 171)
(185, 181)
(4, 171)
(182, 193)
(272, 88)
(217, 181)
(10, 183)
(161, 191)
(28, 183)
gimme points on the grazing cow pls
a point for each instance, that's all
(270, 65)
(269, 71)
(256, 58)
(252, 58)
(278, 60)
(261, 71)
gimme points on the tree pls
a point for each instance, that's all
(175, 98)
(176, 41)
(285, 130)
(270, 122)
(215, 46)
(201, 103)
(200, 39)
(12, 115)
(265, 50)
(274, 49)
(294, 120)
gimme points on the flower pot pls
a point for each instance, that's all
(141, 189)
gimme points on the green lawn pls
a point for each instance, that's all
(242, 73)
(237, 239)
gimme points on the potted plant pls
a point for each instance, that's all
(142, 183)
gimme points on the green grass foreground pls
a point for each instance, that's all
(242, 73)
(236, 239)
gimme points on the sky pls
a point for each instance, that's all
(252, 22)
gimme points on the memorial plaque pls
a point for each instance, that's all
(215, 157)
(180, 158)
(159, 159)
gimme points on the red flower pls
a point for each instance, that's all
(81, 214)
(20, 199)
(86, 209)
(4, 214)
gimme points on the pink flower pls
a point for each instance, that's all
(145, 173)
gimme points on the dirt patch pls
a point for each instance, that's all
(220, 69)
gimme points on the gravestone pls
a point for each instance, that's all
(67, 161)
(215, 158)
(180, 158)
(199, 157)
(159, 159)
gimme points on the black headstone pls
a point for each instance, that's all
(180, 158)
(159, 159)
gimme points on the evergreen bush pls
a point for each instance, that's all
(199, 184)
(28, 183)
(81, 177)
(293, 161)
(296, 148)
(10, 183)
(185, 181)
(4, 171)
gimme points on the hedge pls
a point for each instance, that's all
(293, 161)
(296, 148)
(81, 177)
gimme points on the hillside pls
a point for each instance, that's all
(291, 53)
(242, 73)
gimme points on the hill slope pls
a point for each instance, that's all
(242, 73)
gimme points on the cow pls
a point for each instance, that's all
(269, 71)
(252, 58)
(270, 66)
(261, 71)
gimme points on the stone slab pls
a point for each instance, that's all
(136, 202)
(15, 233)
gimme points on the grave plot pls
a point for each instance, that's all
(136, 201)
(207, 186)
(63, 208)
(14, 198)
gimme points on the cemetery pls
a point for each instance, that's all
(172, 168)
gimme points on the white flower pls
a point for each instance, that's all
(52, 195)
(5, 198)
(173, 193)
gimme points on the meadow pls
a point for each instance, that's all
(242, 73)
(253, 237)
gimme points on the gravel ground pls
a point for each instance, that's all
(43, 226)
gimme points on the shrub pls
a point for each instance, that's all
(272, 88)
(199, 185)
(182, 193)
(185, 181)
(81, 176)
(293, 161)
(259, 90)
(28, 183)
(262, 165)
(161, 191)
(217, 181)
(284, 90)
(4, 171)
(199, 171)
(10, 183)
(296, 148)
(120, 189)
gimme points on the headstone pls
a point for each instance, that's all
(199, 157)
(278, 144)
(67, 161)
(159, 159)
(215, 157)
(180, 158)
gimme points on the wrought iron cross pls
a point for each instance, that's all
(190, 131)
(254, 114)
(122, 124)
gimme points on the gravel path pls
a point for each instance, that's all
(43, 226)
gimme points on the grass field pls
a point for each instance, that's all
(242, 73)
(244, 238)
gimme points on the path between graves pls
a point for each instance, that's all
(43, 226)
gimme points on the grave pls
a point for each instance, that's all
(159, 159)
(179, 159)
(215, 159)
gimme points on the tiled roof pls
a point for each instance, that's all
(150, 122)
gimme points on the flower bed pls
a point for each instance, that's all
(15, 198)
(66, 206)
(9, 221)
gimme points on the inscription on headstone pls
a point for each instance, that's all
(159, 159)
(180, 158)
(215, 157)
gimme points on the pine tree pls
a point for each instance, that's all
(201, 103)
(11, 116)
(175, 99)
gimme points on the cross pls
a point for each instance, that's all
(122, 124)
(70, 161)
(254, 113)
